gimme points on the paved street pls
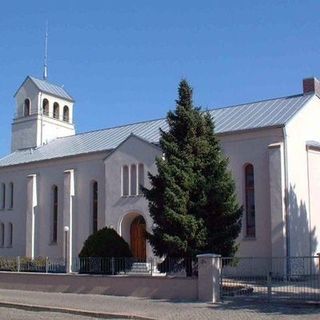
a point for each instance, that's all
(16, 314)
(156, 309)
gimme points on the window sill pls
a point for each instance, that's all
(53, 243)
(9, 247)
(10, 209)
(132, 196)
(247, 238)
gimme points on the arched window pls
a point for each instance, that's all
(3, 196)
(1, 234)
(26, 108)
(45, 107)
(10, 240)
(56, 113)
(54, 214)
(133, 180)
(66, 113)
(250, 201)
(125, 180)
(94, 206)
(11, 195)
(140, 177)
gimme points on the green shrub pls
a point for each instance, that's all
(8, 264)
(37, 264)
(105, 243)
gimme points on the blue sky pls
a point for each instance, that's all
(122, 60)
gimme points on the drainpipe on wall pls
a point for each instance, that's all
(286, 194)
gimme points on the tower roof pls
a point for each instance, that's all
(47, 87)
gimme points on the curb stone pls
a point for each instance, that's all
(79, 312)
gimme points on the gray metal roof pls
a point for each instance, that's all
(267, 113)
(260, 114)
(50, 88)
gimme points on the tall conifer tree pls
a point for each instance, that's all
(192, 198)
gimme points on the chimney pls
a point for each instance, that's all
(311, 85)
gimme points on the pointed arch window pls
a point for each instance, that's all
(125, 181)
(1, 234)
(66, 113)
(56, 113)
(11, 191)
(10, 239)
(250, 201)
(27, 107)
(94, 206)
(54, 214)
(45, 107)
(3, 196)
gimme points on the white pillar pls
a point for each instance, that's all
(209, 270)
(68, 216)
(32, 202)
(277, 205)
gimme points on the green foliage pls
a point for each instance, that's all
(37, 264)
(8, 264)
(105, 243)
(192, 198)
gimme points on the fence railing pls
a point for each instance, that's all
(152, 266)
(97, 265)
(39, 264)
(271, 278)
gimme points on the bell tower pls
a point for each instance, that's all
(44, 111)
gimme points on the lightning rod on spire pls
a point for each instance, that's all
(45, 70)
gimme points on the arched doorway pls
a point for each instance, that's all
(138, 238)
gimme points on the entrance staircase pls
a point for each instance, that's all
(143, 269)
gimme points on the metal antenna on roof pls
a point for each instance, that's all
(45, 70)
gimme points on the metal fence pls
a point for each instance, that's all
(39, 264)
(98, 265)
(132, 266)
(296, 278)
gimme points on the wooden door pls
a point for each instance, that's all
(138, 238)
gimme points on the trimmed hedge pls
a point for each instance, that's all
(105, 243)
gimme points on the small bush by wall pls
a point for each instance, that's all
(105, 243)
(105, 252)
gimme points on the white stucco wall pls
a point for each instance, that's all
(314, 192)
(118, 211)
(241, 149)
(302, 128)
(121, 210)
(27, 91)
(49, 173)
(265, 149)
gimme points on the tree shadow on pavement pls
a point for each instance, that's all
(273, 307)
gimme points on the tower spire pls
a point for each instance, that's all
(45, 66)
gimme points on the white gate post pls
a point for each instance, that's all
(209, 270)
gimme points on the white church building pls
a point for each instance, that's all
(58, 187)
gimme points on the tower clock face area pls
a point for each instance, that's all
(44, 112)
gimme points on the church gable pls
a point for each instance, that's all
(26, 94)
(134, 149)
(46, 87)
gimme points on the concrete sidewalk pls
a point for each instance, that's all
(159, 309)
